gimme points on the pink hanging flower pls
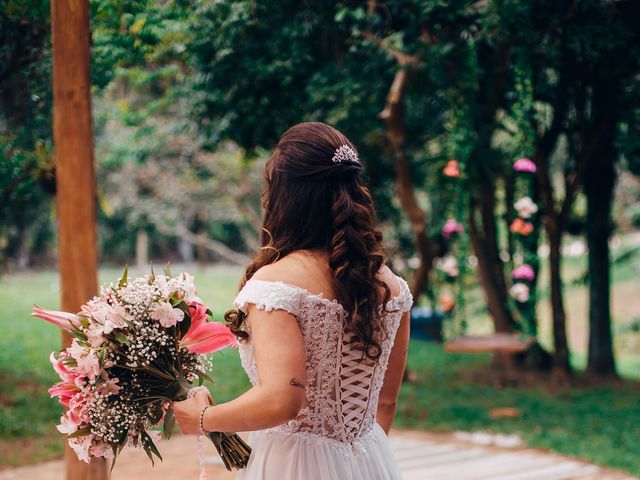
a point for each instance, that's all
(520, 292)
(524, 165)
(524, 272)
(526, 207)
(449, 265)
(452, 169)
(452, 227)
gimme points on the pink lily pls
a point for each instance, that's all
(198, 314)
(65, 391)
(59, 319)
(206, 337)
(65, 374)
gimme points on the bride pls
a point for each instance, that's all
(323, 324)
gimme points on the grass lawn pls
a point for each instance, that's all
(451, 392)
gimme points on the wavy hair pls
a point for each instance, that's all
(312, 202)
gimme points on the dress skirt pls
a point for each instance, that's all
(280, 455)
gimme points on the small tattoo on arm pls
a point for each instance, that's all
(295, 383)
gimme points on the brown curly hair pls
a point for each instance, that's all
(312, 202)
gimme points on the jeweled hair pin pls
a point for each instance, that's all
(345, 153)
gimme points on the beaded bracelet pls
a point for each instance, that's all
(202, 430)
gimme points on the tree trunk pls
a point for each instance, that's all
(494, 265)
(142, 248)
(393, 116)
(186, 250)
(496, 299)
(599, 183)
(561, 348)
(601, 360)
(509, 217)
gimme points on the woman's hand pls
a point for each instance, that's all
(187, 412)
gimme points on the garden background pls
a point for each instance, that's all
(501, 140)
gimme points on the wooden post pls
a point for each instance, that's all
(75, 182)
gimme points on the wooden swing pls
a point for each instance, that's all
(497, 343)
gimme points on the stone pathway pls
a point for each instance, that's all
(421, 455)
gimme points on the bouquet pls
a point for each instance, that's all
(137, 347)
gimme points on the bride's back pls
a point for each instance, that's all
(343, 384)
(321, 259)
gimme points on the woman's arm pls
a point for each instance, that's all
(393, 377)
(280, 358)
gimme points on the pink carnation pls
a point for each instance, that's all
(524, 165)
(524, 272)
(452, 169)
(451, 227)
(520, 292)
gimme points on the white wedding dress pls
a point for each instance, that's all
(335, 436)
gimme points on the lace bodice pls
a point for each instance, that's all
(342, 389)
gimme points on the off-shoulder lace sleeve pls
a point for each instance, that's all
(268, 295)
(404, 300)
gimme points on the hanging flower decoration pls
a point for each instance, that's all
(447, 302)
(449, 265)
(451, 228)
(524, 272)
(521, 227)
(524, 165)
(520, 292)
(451, 169)
(526, 207)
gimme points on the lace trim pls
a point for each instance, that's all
(275, 294)
(267, 295)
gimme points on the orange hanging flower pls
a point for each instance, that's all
(447, 302)
(521, 227)
(452, 169)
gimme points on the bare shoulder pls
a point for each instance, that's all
(291, 269)
(299, 270)
(387, 276)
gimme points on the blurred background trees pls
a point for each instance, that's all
(441, 98)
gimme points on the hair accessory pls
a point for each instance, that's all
(345, 153)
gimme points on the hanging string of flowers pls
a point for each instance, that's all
(524, 275)
(452, 265)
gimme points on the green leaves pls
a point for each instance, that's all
(125, 277)
(80, 433)
(168, 424)
(121, 338)
(202, 376)
(149, 447)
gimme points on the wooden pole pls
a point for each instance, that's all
(75, 182)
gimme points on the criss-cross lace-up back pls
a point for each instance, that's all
(342, 387)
